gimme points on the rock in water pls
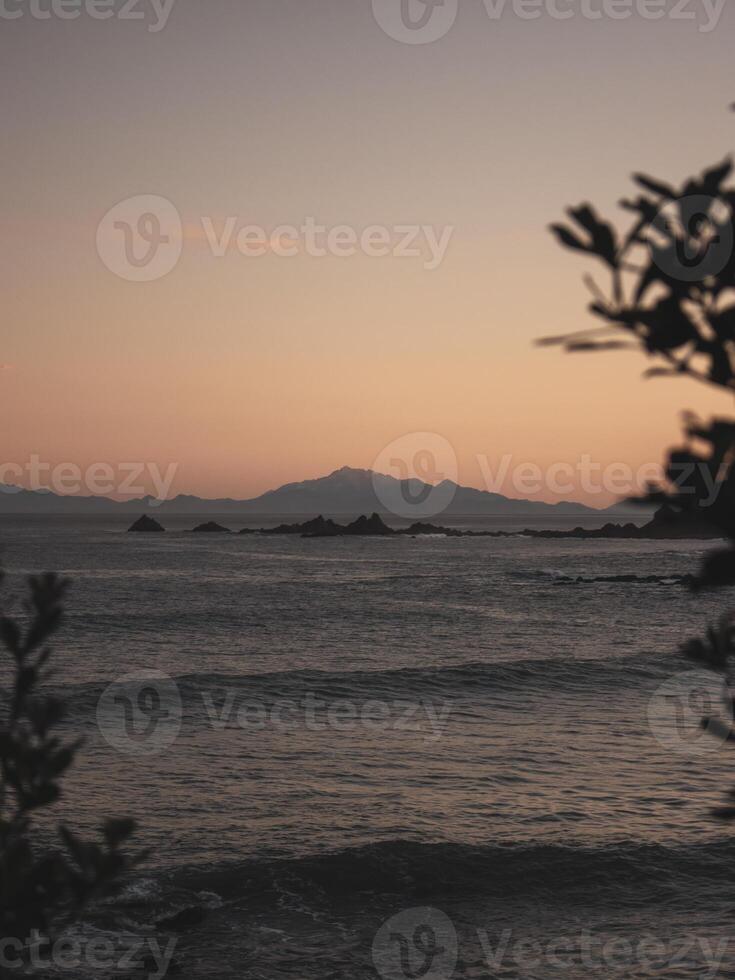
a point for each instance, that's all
(369, 525)
(316, 528)
(422, 528)
(146, 524)
(211, 527)
(667, 523)
(320, 528)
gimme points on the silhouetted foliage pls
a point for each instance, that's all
(42, 888)
(671, 294)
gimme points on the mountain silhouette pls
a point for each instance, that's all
(346, 491)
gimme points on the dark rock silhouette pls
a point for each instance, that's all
(374, 525)
(318, 527)
(607, 531)
(665, 525)
(211, 527)
(146, 525)
(421, 528)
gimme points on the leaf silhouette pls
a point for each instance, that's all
(568, 238)
(655, 186)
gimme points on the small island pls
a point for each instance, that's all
(665, 525)
(145, 525)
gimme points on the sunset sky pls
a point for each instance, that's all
(249, 372)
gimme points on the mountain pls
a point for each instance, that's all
(345, 492)
(353, 491)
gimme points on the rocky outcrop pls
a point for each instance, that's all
(608, 531)
(211, 527)
(665, 525)
(420, 528)
(145, 525)
(368, 526)
(318, 527)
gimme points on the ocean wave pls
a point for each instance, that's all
(461, 680)
(413, 869)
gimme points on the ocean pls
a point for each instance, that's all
(365, 757)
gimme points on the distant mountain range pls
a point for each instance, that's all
(345, 492)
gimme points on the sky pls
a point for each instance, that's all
(291, 357)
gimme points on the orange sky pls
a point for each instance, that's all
(250, 372)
